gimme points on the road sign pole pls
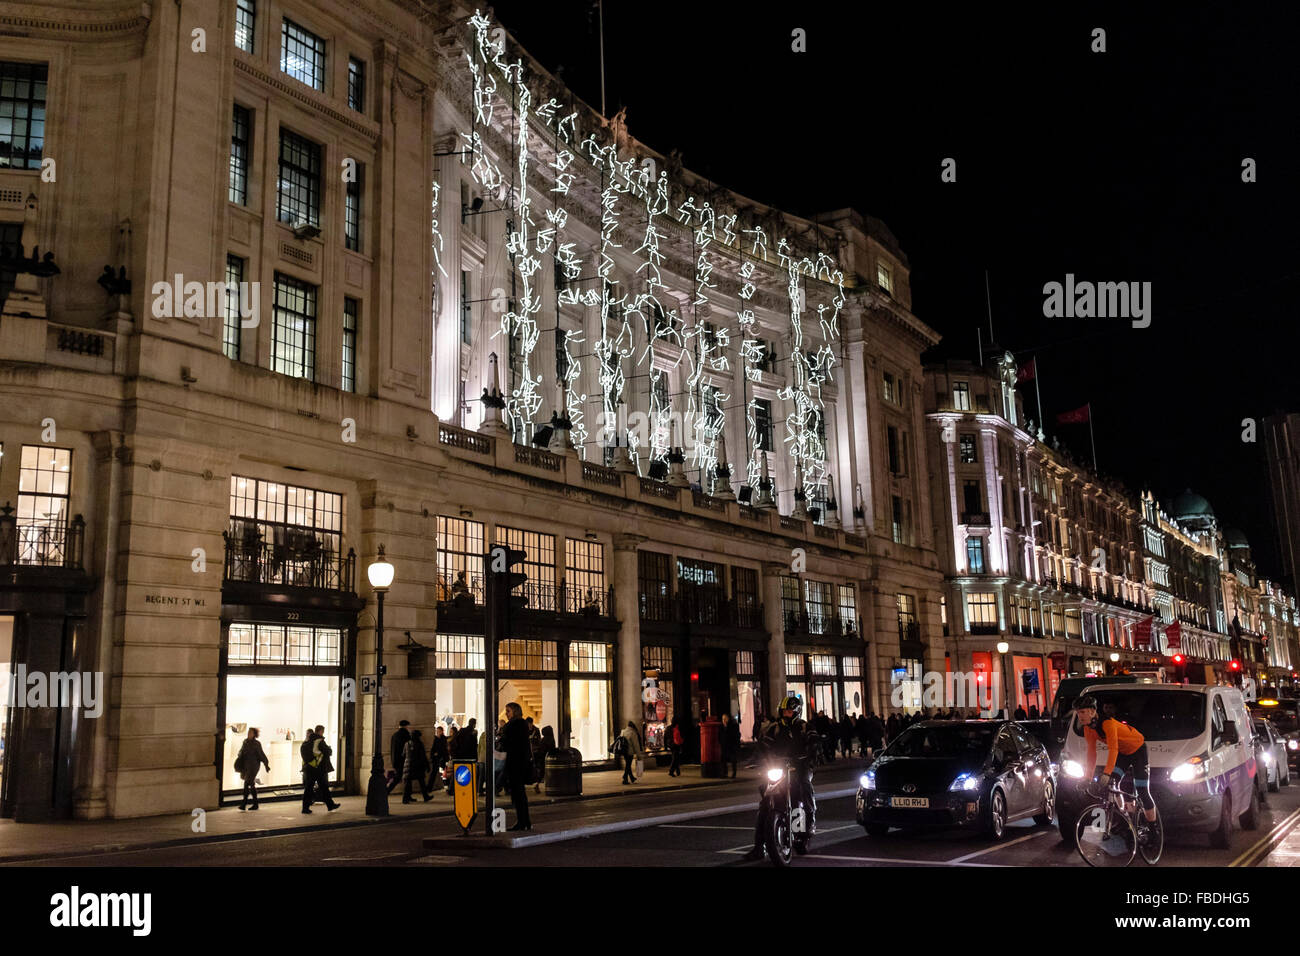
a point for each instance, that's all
(493, 599)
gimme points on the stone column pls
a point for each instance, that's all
(774, 622)
(627, 607)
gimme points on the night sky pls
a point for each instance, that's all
(1116, 166)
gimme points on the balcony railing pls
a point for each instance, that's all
(303, 562)
(821, 625)
(53, 543)
(464, 440)
(977, 518)
(468, 592)
(702, 608)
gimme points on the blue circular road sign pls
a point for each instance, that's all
(462, 775)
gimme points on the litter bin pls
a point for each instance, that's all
(564, 773)
(711, 748)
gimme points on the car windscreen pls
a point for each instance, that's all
(943, 742)
(1155, 714)
(1283, 716)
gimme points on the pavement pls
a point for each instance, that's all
(78, 838)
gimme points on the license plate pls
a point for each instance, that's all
(922, 802)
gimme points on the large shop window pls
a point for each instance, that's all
(590, 703)
(44, 486)
(460, 559)
(655, 586)
(584, 575)
(538, 564)
(282, 679)
(284, 534)
(747, 705)
(656, 694)
(854, 701)
(6, 665)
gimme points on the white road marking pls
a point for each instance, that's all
(994, 848)
(888, 859)
(689, 826)
(438, 860)
(363, 856)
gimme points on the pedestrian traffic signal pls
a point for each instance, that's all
(501, 561)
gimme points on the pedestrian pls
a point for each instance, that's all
(483, 751)
(248, 763)
(316, 769)
(545, 746)
(397, 752)
(1033, 712)
(438, 753)
(415, 764)
(892, 727)
(846, 736)
(676, 742)
(730, 744)
(1019, 713)
(519, 763)
(499, 758)
(632, 749)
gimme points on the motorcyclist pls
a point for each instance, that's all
(788, 738)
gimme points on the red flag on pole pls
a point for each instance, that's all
(1174, 636)
(1142, 634)
(1027, 371)
(1076, 417)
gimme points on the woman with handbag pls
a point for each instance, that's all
(250, 760)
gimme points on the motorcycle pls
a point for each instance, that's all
(789, 825)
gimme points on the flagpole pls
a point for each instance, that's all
(1092, 439)
(1039, 396)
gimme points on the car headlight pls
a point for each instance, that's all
(1073, 768)
(868, 780)
(1268, 757)
(1193, 769)
(775, 775)
(966, 781)
(1293, 745)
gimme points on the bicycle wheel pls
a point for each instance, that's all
(1151, 839)
(1105, 837)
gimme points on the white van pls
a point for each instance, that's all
(1200, 746)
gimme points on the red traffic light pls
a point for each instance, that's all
(1234, 665)
(1178, 659)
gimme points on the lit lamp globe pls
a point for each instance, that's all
(1003, 647)
(1114, 657)
(380, 572)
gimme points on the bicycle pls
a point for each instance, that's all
(1113, 830)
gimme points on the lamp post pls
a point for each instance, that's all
(1003, 647)
(380, 574)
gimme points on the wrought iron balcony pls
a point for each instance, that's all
(465, 592)
(818, 625)
(50, 543)
(710, 610)
(299, 561)
(976, 518)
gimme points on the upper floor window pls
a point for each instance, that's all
(975, 555)
(460, 557)
(22, 114)
(44, 487)
(231, 325)
(298, 198)
(584, 572)
(293, 334)
(356, 84)
(284, 534)
(350, 309)
(896, 442)
(884, 278)
(302, 54)
(240, 126)
(762, 425)
(961, 396)
(11, 235)
(967, 445)
(245, 20)
(352, 210)
(893, 390)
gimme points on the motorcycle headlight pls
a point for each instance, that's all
(1193, 769)
(966, 781)
(775, 775)
(1072, 768)
(868, 780)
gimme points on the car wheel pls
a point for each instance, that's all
(1286, 777)
(996, 821)
(1221, 836)
(1049, 804)
(1275, 782)
(875, 829)
(1250, 818)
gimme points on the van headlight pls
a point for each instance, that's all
(775, 774)
(1072, 768)
(1293, 744)
(1193, 769)
(966, 781)
(868, 780)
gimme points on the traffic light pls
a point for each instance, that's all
(501, 561)
(1179, 666)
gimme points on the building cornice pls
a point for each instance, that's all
(68, 23)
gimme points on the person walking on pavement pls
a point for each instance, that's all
(730, 744)
(519, 761)
(499, 758)
(248, 763)
(482, 764)
(397, 752)
(1019, 713)
(631, 750)
(676, 743)
(545, 747)
(846, 736)
(316, 768)
(438, 754)
(416, 764)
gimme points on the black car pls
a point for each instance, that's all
(1284, 714)
(981, 774)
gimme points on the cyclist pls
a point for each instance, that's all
(1125, 747)
(788, 737)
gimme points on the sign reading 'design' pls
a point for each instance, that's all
(464, 780)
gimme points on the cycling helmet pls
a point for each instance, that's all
(1086, 702)
(790, 703)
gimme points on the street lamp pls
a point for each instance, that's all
(1003, 647)
(380, 574)
(1114, 657)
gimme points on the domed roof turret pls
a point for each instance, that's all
(1189, 505)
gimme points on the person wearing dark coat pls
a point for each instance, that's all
(438, 754)
(316, 768)
(248, 763)
(670, 736)
(892, 726)
(846, 736)
(519, 757)
(1019, 713)
(876, 731)
(397, 751)
(416, 764)
(730, 744)
(545, 746)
